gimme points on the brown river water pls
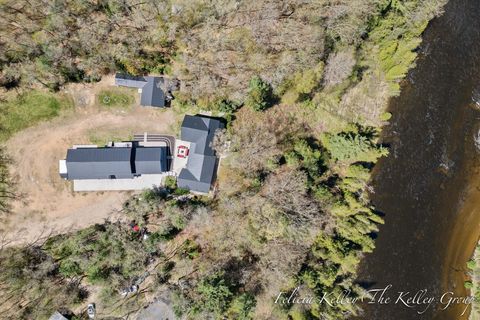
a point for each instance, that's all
(428, 189)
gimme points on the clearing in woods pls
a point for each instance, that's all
(47, 204)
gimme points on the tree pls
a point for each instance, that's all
(351, 147)
(287, 189)
(258, 138)
(221, 142)
(241, 307)
(260, 96)
(339, 67)
(6, 184)
(214, 292)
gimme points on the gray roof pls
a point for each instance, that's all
(115, 162)
(198, 176)
(200, 130)
(152, 93)
(201, 164)
(152, 88)
(57, 316)
(99, 163)
(126, 80)
(151, 160)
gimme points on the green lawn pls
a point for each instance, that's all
(28, 109)
(116, 98)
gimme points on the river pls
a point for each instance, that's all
(428, 188)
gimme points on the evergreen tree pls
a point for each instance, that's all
(260, 96)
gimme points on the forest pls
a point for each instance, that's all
(303, 86)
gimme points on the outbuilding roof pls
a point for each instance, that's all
(152, 88)
(126, 80)
(152, 93)
(57, 316)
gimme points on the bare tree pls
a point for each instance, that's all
(288, 191)
(339, 67)
(221, 142)
(259, 138)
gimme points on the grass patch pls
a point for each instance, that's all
(116, 98)
(28, 109)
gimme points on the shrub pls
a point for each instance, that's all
(32, 283)
(226, 106)
(191, 249)
(101, 254)
(170, 183)
(296, 314)
(385, 116)
(301, 85)
(70, 268)
(471, 264)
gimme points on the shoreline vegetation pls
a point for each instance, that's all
(474, 284)
(291, 208)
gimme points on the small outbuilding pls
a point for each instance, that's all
(153, 89)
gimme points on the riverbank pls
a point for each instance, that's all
(474, 284)
(462, 243)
